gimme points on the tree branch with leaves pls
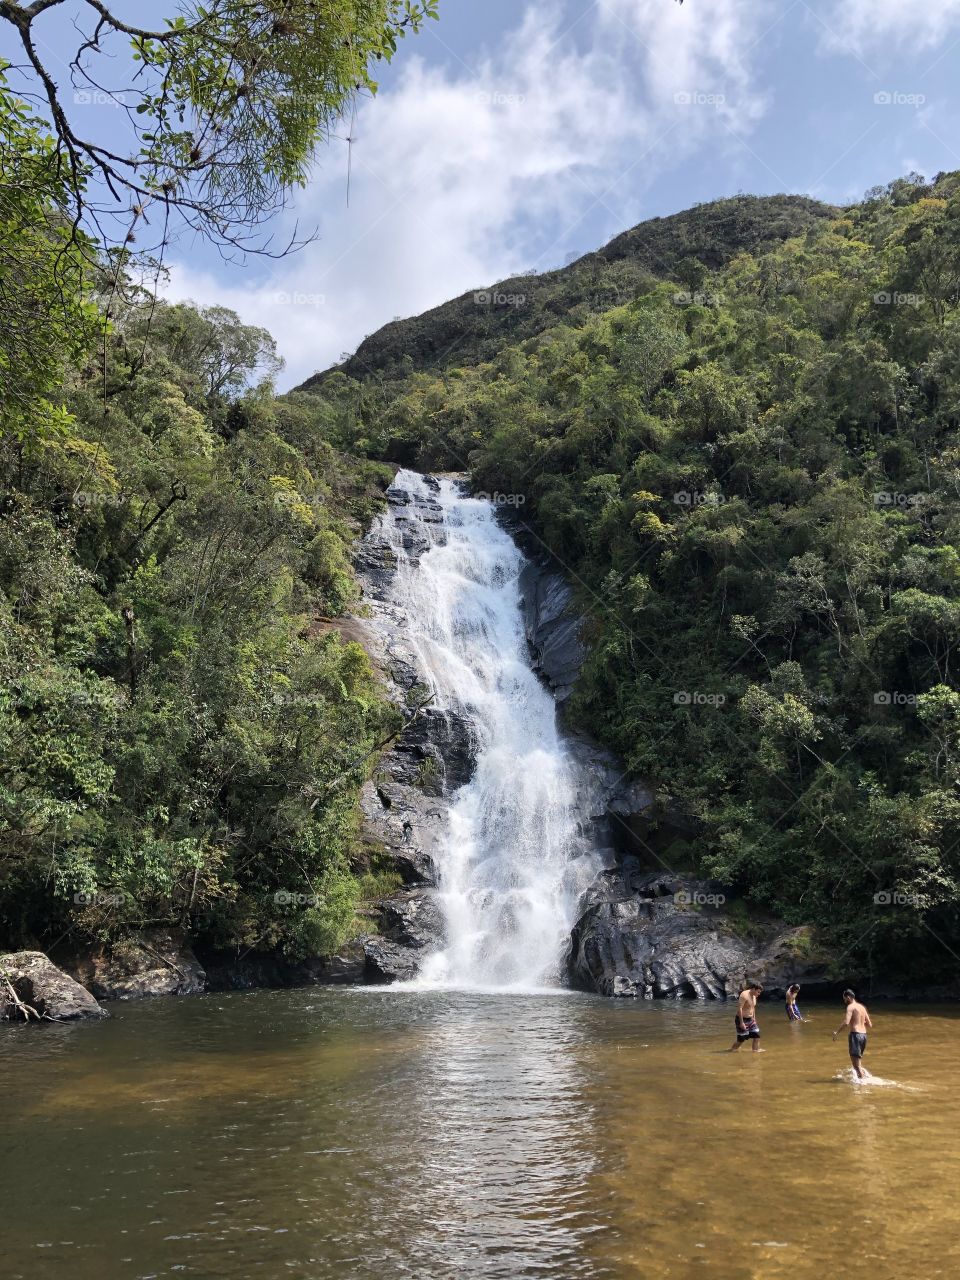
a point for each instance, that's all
(225, 102)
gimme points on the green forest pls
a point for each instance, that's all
(182, 731)
(751, 474)
(735, 430)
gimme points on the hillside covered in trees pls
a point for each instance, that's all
(182, 733)
(477, 325)
(751, 472)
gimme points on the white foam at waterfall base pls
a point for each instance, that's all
(513, 865)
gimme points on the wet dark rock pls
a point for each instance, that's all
(406, 825)
(405, 806)
(412, 918)
(411, 927)
(624, 814)
(376, 562)
(446, 738)
(39, 983)
(154, 962)
(414, 541)
(388, 962)
(658, 934)
(244, 970)
(436, 753)
(411, 513)
(552, 626)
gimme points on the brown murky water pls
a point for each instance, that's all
(379, 1134)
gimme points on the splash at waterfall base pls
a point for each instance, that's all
(513, 837)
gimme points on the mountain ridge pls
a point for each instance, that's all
(473, 326)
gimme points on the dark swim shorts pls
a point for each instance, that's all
(857, 1041)
(747, 1028)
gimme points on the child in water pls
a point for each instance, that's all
(793, 1009)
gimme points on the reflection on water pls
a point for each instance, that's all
(379, 1134)
(508, 1140)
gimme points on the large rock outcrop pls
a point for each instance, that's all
(154, 962)
(410, 926)
(659, 934)
(35, 981)
(241, 969)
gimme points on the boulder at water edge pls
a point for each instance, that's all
(37, 981)
(411, 927)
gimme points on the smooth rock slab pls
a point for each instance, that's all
(552, 627)
(39, 983)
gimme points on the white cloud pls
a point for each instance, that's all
(866, 27)
(457, 175)
(703, 52)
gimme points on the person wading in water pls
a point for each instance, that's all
(857, 1022)
(793, 1009)
(746, 1018)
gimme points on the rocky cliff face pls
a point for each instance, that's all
(660, 934)
(552, 627)
(404, 805)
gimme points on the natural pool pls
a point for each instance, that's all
(377, 1133)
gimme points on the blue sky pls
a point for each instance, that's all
(519, 133)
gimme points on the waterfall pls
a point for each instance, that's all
(513, 862)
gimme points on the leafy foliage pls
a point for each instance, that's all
(226, 101)
(183, 733)
(46, 319)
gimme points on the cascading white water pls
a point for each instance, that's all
(513, 863)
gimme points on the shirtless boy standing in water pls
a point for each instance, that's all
(857, 1022)
(746, 1018)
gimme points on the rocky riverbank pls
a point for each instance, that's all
(656, 934)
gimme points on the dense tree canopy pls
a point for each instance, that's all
(182, 731)
(47, 316)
